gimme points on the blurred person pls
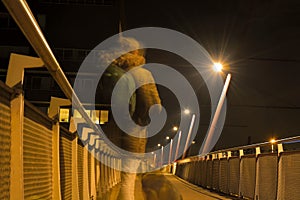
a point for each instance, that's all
(140, 103)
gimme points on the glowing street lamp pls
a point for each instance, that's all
(167, 138)
(209, 137)
(186, 111)
(175, 128)
(217, 67)
(272, 141)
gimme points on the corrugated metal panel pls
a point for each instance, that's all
(223, 175)
(247, 176)
(288, 176)
(203, 173)
(198, 172)
(266, 177)
(234, 175)
(4, 151)
(215, 174)
(191, 172)
(65, 151)
(89, 172)
(209, 174)
(37, 142)
(80, 169)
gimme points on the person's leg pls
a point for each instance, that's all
(128, 179)
(130, 165)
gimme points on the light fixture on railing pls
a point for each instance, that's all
(272, 141)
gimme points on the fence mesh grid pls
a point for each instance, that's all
(266, 177)
(65, 146)
(247, 176)
(223, 175)
(234, 175)
(80, 169)
(37, 144)
(4, 151)
(288, 176)
(215, 174)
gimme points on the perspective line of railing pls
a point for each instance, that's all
(24, 18)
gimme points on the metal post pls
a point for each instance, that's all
(75, 191)
(170, 153)
(209, 137)
(162, 156)
(178, 144)
(189, 136)
(14, 79)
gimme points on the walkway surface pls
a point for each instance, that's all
(189, 191)
(162, 186)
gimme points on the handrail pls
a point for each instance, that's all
(24, 18)
(251, 146)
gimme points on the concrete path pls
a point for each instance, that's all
(162, 186)
(189, 191)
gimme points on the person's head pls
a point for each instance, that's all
(129, 58)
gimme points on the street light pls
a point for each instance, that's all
(217, 67)
(175, 128)
(209, 137)
(167, 138)
(189, 135)
(272, 141)
(186, 111)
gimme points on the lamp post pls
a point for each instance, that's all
(189, 135)
(170, 153)
(178, 143)
(272, 141)
(208, 139)
(162, 156)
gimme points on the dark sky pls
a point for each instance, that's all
(258, 39)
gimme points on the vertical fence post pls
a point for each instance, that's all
(85, 189)
(14, 79)
(92, 169)
(53, 113)
(75, 192)
(16, 174)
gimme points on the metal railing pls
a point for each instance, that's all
(274, 174)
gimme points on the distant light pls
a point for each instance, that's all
(175, 128)
(193, 142)
(158, 145)
(218, 67)
(187, 111)
(167, 137)
(152, 152)
(272, 141)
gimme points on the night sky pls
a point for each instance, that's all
(257, 39)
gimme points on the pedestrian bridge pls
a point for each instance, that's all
(40, 159)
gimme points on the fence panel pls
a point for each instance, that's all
(247, 176)
(37, 157)
(288, 176)
(266, 176)
(234, 175)
(198, 172)
(215, 174)
(203, 174)
(5, 157)
(223, 175)
(209, 174)
(65, 151)
(80, 168)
